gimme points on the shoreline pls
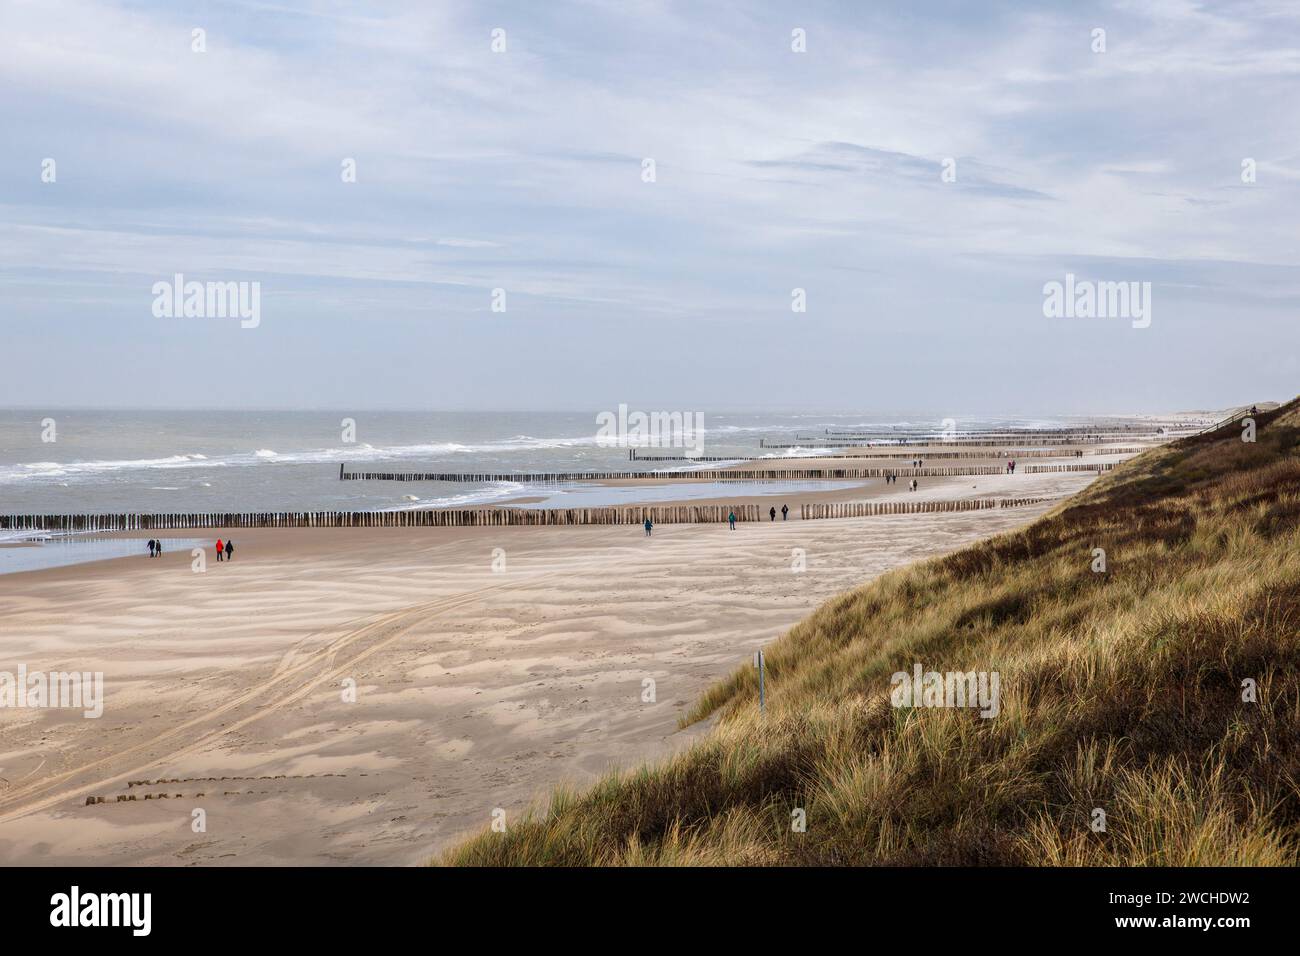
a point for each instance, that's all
(1049, 485)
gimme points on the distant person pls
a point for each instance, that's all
(230, 550)
(152, 544)
(785, 512)
(1253, 410)
(220, 548)
(772, 512)
(648, 525)
(731, 520)
(158, 544)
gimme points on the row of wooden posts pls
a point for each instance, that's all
(427, 518)
(1146, 428)
(761, 474)
(1046, 469)
(942, 443)
(481, 517)
(1000, 453)
(864, 509)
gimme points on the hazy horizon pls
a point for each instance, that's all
(662, 406)
(793, 148)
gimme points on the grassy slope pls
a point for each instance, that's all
(1119, 690)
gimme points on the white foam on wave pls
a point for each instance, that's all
(48, 470)
(493, 492)
(81, 469)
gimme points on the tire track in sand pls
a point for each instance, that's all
(12, 805)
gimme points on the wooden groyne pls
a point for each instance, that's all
(916, 433)
(483, 517)
(943, 443)
(922, 454)
(441, 518)
(1041, 469)
(863, 509)
(762, 474)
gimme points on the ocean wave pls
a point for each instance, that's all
(77, 469)
(352, 454)
(494, 492)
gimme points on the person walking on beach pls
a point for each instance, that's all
(152, 545)
(158, 544)
(648, 525)
(772, 512)
(731, 520)
(220, 546)
(230, 550)
(785, 512)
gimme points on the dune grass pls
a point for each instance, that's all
(1121, 691)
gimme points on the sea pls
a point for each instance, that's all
(79, 461)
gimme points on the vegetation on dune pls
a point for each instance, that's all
(1121, 691)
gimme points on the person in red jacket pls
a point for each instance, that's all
(219, 547)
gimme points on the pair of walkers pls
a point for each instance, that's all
(155, 548)
(785, 512)
(229, 550)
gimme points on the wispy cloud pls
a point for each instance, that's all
(524, 170)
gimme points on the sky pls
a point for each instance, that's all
(919, 170)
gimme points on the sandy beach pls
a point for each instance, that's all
(475, 689)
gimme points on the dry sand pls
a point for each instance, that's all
(475, 689)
